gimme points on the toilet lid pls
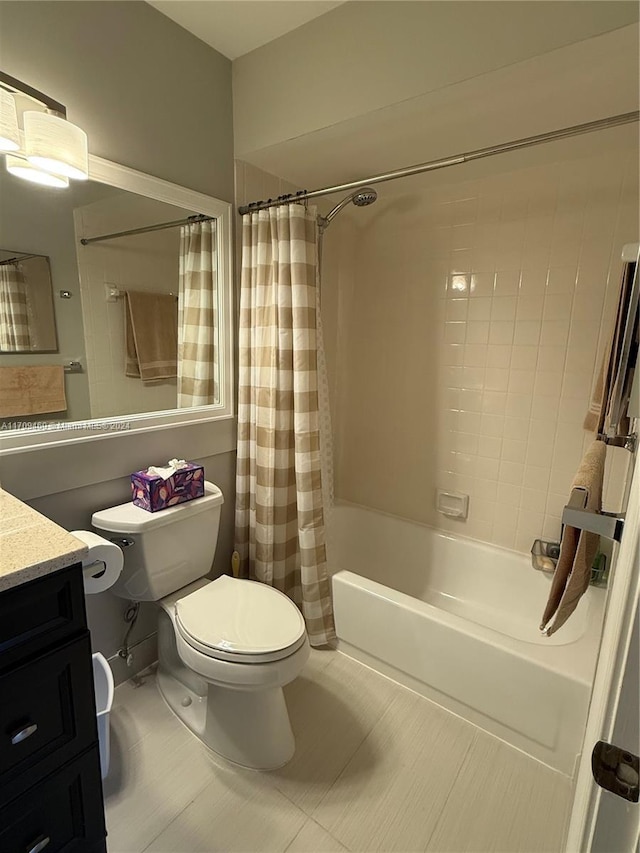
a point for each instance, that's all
(230, 618)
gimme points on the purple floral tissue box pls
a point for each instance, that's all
(153, 493)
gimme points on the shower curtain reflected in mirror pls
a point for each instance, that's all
(198, 341)
(15, 332)
(280, 512)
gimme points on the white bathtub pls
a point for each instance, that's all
(457, 621)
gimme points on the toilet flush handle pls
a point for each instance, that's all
(122, 541)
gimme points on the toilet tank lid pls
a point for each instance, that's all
(127, 518)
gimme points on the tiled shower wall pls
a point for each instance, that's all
(463, 326)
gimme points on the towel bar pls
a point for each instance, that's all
(607, 524)
(113, 292)
(72, 367)
(629, 442)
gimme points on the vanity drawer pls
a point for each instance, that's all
(63, 813)
(47, 714)
(38, 614)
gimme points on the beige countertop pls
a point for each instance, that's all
(31, 545)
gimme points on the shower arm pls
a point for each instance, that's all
(324, 221)
(432, 165)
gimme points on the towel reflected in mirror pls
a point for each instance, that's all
(151, 336)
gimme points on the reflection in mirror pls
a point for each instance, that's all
(142, 308)
(27, 322)
(152, 284)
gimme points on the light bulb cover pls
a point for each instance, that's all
(21, 168)
(9, 131)
(55, 145)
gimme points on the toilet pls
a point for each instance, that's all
(226, 647)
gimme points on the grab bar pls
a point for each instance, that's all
(607, 524)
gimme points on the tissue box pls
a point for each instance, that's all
(152, 493)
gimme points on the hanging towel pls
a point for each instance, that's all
(598, 417)
(31, 390)
(151, 336)
(578, 547)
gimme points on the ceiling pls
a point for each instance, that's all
(582, 82)
(236, 27)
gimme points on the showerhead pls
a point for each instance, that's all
(361, 198)
(364, 197)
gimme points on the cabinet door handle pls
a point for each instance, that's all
(23, 734)
(39, 844)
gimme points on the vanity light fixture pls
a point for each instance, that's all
(9, 131)
(22, 168)
(54, 144)
(49, 149)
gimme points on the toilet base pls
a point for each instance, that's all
(248, 728)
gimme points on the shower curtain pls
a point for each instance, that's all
(280, 513)
(15, 331)
(197, 316)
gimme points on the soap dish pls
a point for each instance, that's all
(544, 555)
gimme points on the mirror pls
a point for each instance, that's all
(27, 322)
(142, 314)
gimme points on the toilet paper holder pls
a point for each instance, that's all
(94, 570)
(102, 563)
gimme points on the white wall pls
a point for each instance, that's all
(463, 335)
(365, 56)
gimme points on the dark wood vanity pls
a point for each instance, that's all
(50, 784)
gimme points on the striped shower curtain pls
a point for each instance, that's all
(280, 517)
(198, 359)
(15, 334)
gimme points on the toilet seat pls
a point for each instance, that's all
(240, 621)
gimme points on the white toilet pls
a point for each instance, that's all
(226, 647)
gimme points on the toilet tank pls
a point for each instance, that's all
(166, 550)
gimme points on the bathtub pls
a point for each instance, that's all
(457, 621)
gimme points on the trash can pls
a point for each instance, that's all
(103, 686)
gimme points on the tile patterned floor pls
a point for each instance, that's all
(377, 768)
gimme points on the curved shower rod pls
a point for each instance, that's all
(432, 165)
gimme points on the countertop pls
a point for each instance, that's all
(31, 545)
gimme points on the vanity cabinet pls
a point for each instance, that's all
(50, 784)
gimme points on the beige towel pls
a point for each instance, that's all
(598, 417)
(578, 548)
(151, 336)
(31, 390)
